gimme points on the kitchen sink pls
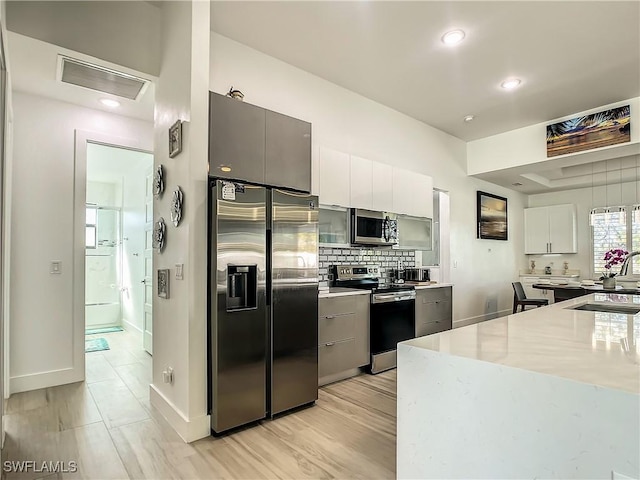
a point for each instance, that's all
(608, 308)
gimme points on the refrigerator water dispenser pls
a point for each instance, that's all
(242, 292)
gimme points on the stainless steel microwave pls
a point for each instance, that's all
(373, 228)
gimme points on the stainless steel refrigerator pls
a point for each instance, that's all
(263, 302)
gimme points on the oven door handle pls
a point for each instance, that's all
(391, 297)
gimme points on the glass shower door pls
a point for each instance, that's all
(103, 267)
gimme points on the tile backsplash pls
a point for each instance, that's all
(386, 258)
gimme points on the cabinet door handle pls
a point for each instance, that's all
(550, 247)
(330, 344)
(329, 317)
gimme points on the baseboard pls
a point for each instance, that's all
(36, 381)
(128, 325)
(189, 430)
(480, 318)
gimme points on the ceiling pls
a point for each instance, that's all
(571, 55)
(34, 69)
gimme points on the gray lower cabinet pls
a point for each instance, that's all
(433, 310)
(343, 336)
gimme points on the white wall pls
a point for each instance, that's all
(342, 120)
(528, 145)
(42, 230)
(179, 322)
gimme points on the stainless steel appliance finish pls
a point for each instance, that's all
(263, 315)
(294, 309)
(392, 320)
(392, 313)
(238, 343)
(373, 228)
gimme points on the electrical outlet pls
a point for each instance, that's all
(167, 375)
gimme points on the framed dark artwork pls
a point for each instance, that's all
(492, 216)
(175, 139)
(163, 283)
(601, 129)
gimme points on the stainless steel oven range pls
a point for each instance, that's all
(392, 313)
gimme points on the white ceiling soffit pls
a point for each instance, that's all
(101, 79)
(585, 170)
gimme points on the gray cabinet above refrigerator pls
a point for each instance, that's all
(252, 144)
(236, 139)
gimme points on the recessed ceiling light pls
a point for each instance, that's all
(453, 37)
(225, 168)
(510, 83)
(468, 118)
(109, 102)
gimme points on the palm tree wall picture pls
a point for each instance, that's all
(587, 132)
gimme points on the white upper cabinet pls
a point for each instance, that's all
(550, 229)
(351, 181)
(412, 193)
(562, 229)
(334, 185)
(361, 183)
(382, 175)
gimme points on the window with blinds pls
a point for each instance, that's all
(616, 227)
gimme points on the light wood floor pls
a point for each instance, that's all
(109, 428)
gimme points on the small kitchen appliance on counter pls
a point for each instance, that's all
(392, 313)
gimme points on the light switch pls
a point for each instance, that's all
(56, 267)
(179, 275)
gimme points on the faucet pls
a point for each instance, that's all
(625, 264)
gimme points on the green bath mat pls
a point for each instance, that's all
(93, 331)
(95, 344)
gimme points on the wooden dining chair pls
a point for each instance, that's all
(520, 298)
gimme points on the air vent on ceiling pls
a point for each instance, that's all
(101, 79)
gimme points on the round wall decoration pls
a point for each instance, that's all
(158, 181)
(159, 234)
(176, 206)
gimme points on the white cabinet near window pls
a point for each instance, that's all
(550, 229)
(334, 168)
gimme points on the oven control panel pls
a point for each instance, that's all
(354, 272)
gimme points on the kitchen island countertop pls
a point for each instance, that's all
(551, 392)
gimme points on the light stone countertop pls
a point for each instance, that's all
(579, 345)
(433, 285)
(341, 292)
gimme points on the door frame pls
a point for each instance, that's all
(82, 139)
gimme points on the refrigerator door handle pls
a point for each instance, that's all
(269, 282)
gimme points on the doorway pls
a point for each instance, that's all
(117, 251)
